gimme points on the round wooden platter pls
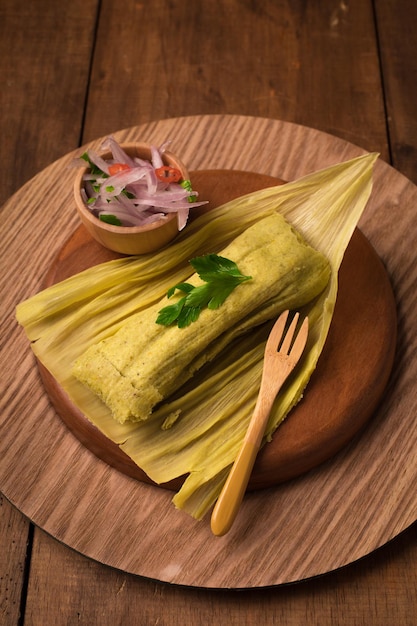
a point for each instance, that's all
(330, 516)
(350, 377)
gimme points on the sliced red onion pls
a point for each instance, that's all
(135, 196)
(167, 206)
(156, 158)
(164, 146)
(119, 155)
(101, 163)
(182, 218)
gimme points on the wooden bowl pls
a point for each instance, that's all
(130, 239)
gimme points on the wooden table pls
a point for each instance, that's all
(72, 73)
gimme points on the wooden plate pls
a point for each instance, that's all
(328, 517)
(350, 377)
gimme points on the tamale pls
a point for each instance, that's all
(144, 362)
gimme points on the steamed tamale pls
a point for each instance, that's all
(144, 362)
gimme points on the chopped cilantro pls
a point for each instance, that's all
(110, 219)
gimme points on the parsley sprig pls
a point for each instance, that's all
(220, 275)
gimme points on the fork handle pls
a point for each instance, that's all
(231, 496)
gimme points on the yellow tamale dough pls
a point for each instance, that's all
(144, 362)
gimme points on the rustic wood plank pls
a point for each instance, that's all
(85, 592)
(45, 51)
(311, 63)
(361, 597)
(14, 538)
(396, 29)
(44, 64)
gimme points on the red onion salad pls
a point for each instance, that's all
(129, 191)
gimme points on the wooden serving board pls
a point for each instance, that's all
(345, 388)
(326, 518)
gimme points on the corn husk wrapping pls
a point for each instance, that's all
(198, 433)
(144, 363)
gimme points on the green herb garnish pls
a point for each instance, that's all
(220, 275)
(186, 184)
(96, 171)
(110, 219)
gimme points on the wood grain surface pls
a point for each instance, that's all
(82, 501)
(73, 72)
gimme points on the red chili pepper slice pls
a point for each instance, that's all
(168, 174)
(115, 168)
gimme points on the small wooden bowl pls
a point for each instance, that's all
(130, 239)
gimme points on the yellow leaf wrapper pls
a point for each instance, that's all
(144, 362)
(199, 432)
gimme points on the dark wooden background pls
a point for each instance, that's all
(74, 71)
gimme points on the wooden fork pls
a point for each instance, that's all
(280, 358)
